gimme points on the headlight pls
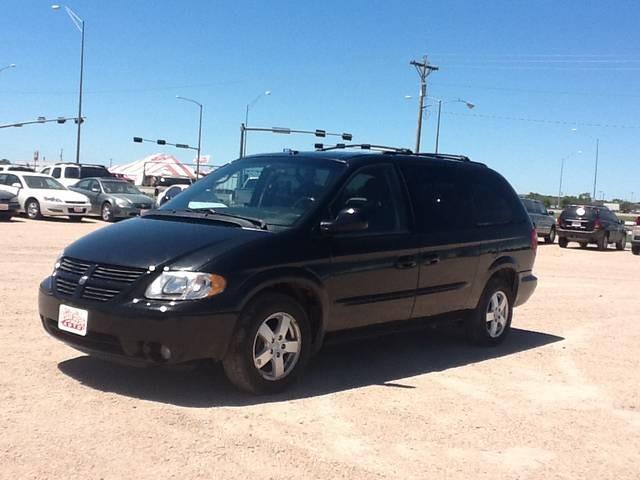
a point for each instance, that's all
(185, 286)
(52, 199)
(122, 203)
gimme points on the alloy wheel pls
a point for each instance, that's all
(277, 346)
(497, 314)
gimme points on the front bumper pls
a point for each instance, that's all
(527, 283)
(589, 236)
(51, 209)
(134, 333)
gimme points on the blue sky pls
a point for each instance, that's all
(340, 66)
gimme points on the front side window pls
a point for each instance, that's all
(83, 185)
(376, 192)
(56, 172)
(9, 179)
(277, 190)
(43, 183)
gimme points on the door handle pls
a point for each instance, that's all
(404, 263)
(431, 260)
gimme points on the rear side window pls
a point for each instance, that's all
(439, 196)
(86, 172)
(494, 201)
(71, 172)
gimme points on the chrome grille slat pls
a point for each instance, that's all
(117, 274)
(74, 266)
(65, 287)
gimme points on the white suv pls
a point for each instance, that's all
(70, 173)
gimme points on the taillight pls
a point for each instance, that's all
(597, 224)
(638, 221)
(534, 240)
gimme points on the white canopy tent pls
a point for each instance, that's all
(159, 165)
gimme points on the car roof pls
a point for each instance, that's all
(362, 157)
(31, 174)
(73, 164)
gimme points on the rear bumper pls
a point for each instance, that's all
(527, 283)
(590, 236)
(135, 334)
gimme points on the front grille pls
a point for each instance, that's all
(142, 205)
(100, 294)
(65, 287)
(94, 282)
(117, 274)
(73, 202)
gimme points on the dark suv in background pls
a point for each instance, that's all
(541, 218)
(257, 275)
(587, 224)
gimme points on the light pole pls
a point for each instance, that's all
(246, 115)
(199, 131)
(595, 173)
(566, 157)
(79, 23)
(469, 105)
(12, 65)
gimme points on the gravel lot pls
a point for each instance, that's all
(560, 399)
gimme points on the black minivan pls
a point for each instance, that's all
(256, 274)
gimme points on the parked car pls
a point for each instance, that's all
(40, 196)
(15, 168)
(112, 199)
(9, 205)
(69, 173)
(169, 193)
(328, 242)
(541, 218)
(587, 224)
(635, 238)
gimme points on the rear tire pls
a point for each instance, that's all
(563, 242)
(622, 243)
(603, 242)
(635, 249)
(32, 208)
(271, 346)
(5, 217)
(583, 244)
(490, 322)
(551, 237)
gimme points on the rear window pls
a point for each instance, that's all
(87, 172)
(588, 213)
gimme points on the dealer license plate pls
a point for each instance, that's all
(74, 320)
(4, 206)
(78, 209)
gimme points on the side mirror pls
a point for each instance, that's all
(95, 189)
(348, 220)
(16, 185)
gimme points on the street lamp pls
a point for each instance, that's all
(12, 65)
(79, 23)
(246, 114)
(469, 105)
(199, 131)
(566, 157)
(595, 172)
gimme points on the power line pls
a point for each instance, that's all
(545, 121)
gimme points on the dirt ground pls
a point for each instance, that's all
(560, 399)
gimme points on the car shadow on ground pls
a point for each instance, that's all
(24, 218)
(383, 361)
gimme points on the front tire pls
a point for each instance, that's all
(583, 244)
(622, 243)
(32, 208)
(490, 322)
(635, 249)
(563, 242)
(271, 346)
(551, 237)
(106, 212)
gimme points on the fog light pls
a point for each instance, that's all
(165, 352)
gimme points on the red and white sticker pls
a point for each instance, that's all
(73, 320)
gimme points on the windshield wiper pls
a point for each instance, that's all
(257, 222)
(209, 214)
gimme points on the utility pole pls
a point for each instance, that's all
(424, 69)
(595, 175)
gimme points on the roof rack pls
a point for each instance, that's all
(362, 146)
(446, 156)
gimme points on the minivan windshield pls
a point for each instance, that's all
(276, 190)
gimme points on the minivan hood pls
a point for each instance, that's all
(145, 241)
